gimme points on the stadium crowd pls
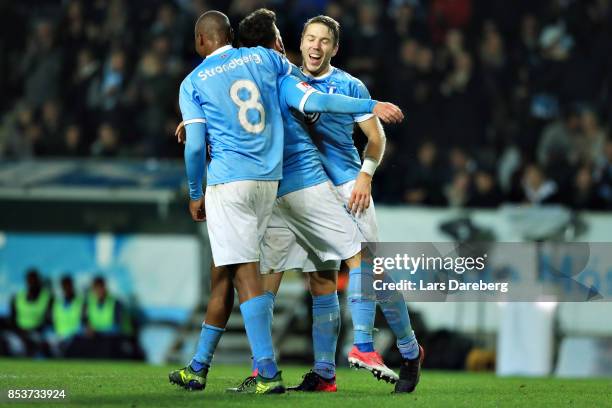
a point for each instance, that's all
(505, 100)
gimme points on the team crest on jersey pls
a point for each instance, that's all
(331, 90)
(311, 118)
(306, 118)
(303, 86)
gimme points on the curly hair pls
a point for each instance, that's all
(257, 29)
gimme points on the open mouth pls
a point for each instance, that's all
(314, 58)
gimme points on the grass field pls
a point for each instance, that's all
(110, 384)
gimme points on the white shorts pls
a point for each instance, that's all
(237, 214)
(310, 230)
(366, 220)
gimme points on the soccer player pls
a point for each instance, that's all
(308, 205)
(230, 103)
(307, 208)
(319, 43)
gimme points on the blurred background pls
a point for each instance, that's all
(507, 138)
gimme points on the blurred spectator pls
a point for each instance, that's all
(448, 14)
(460, 161)
(167, 25)
(557, 140)
(30, 310)
(81, 93)
(452, 47)
(526, 50)
(73, 33)
(41, 65)
(13, 140)
(366, 35)
(485, 192)
(112, 81)
(464, 110)
(407, 23)
(509, 165)
(458, 191)
(72, 143)
(107, 143)
(537, 188)
(590, 143)
(103, 311)
(490, 77)
(149, 97)
(604, 177)
(52, 126)
(115, 27)
(493, 59)
(424, 178)
(584, 193)
(67, 311)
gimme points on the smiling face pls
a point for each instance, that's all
(318, 46)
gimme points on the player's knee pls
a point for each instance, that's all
(354, 261)
(322, 282)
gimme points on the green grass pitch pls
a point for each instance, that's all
(112, 384)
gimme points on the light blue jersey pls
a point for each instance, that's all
(302, 166)
(234, 93)
(333, 133)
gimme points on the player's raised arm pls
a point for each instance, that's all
(337, 103)
(303, 97)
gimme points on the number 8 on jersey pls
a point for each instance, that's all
(251, 103)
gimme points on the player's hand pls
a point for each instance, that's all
(362, 191)
(180, 133)
(388, 112)
(196, 209)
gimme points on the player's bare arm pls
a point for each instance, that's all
(373, 153)
(388, 112)
(179, 133)
(197, 210)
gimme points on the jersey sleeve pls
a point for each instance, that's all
(189, 102)
(195, 157)
(295, 92)
(359, 90)
(282, 66)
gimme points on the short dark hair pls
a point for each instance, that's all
(327, 21)
(257, 29)
(99, 281)
(32, 272)
(66, 280)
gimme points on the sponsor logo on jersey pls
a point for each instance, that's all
(303, 86)
(232, 64)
